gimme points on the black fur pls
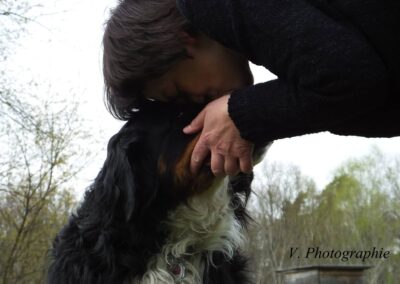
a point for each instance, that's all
(118, 227)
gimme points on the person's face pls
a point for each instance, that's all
(211, 71)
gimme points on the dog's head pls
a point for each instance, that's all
(148, 160)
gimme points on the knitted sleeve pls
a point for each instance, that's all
(327, 71)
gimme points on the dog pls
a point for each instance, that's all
(147, 219)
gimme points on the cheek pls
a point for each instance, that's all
(246, 75)
(240, 70)
(233, 71)
(194, 83)
(200, 89)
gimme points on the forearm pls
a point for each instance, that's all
(328, 72)
(273, 110)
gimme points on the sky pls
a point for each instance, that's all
(63, 48)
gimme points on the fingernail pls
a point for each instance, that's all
(218, 174)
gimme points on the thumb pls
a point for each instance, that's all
(197, 124)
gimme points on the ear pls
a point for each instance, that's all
(116, 184)
(186, 38)
(190, 42)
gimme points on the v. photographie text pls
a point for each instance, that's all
(342, 255)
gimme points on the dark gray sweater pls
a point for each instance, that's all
(337, 62)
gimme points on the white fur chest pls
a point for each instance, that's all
(205, 224)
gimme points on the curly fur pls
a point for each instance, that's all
(145, 208)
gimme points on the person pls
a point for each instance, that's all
(337, 64)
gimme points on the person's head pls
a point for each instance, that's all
(152, 51)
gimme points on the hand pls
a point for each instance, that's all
(230, 153)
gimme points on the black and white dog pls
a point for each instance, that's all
(147, 219)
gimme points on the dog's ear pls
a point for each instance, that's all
(98, 236)
(116, 185)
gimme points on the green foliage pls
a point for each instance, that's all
(358, 210)
(37, 162)
(40, 153)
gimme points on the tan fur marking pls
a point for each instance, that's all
(182, 167)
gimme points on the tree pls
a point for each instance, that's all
(277, 201)
(357, 210)
(370, 212)
(14, 15)
(42, 157)
(41, 151)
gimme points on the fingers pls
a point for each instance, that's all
(217, 164)
(196, 125)
(245, 156)
(230, 154)
(231, 166)
(246, 164)
(221, 163)
(200, 153)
